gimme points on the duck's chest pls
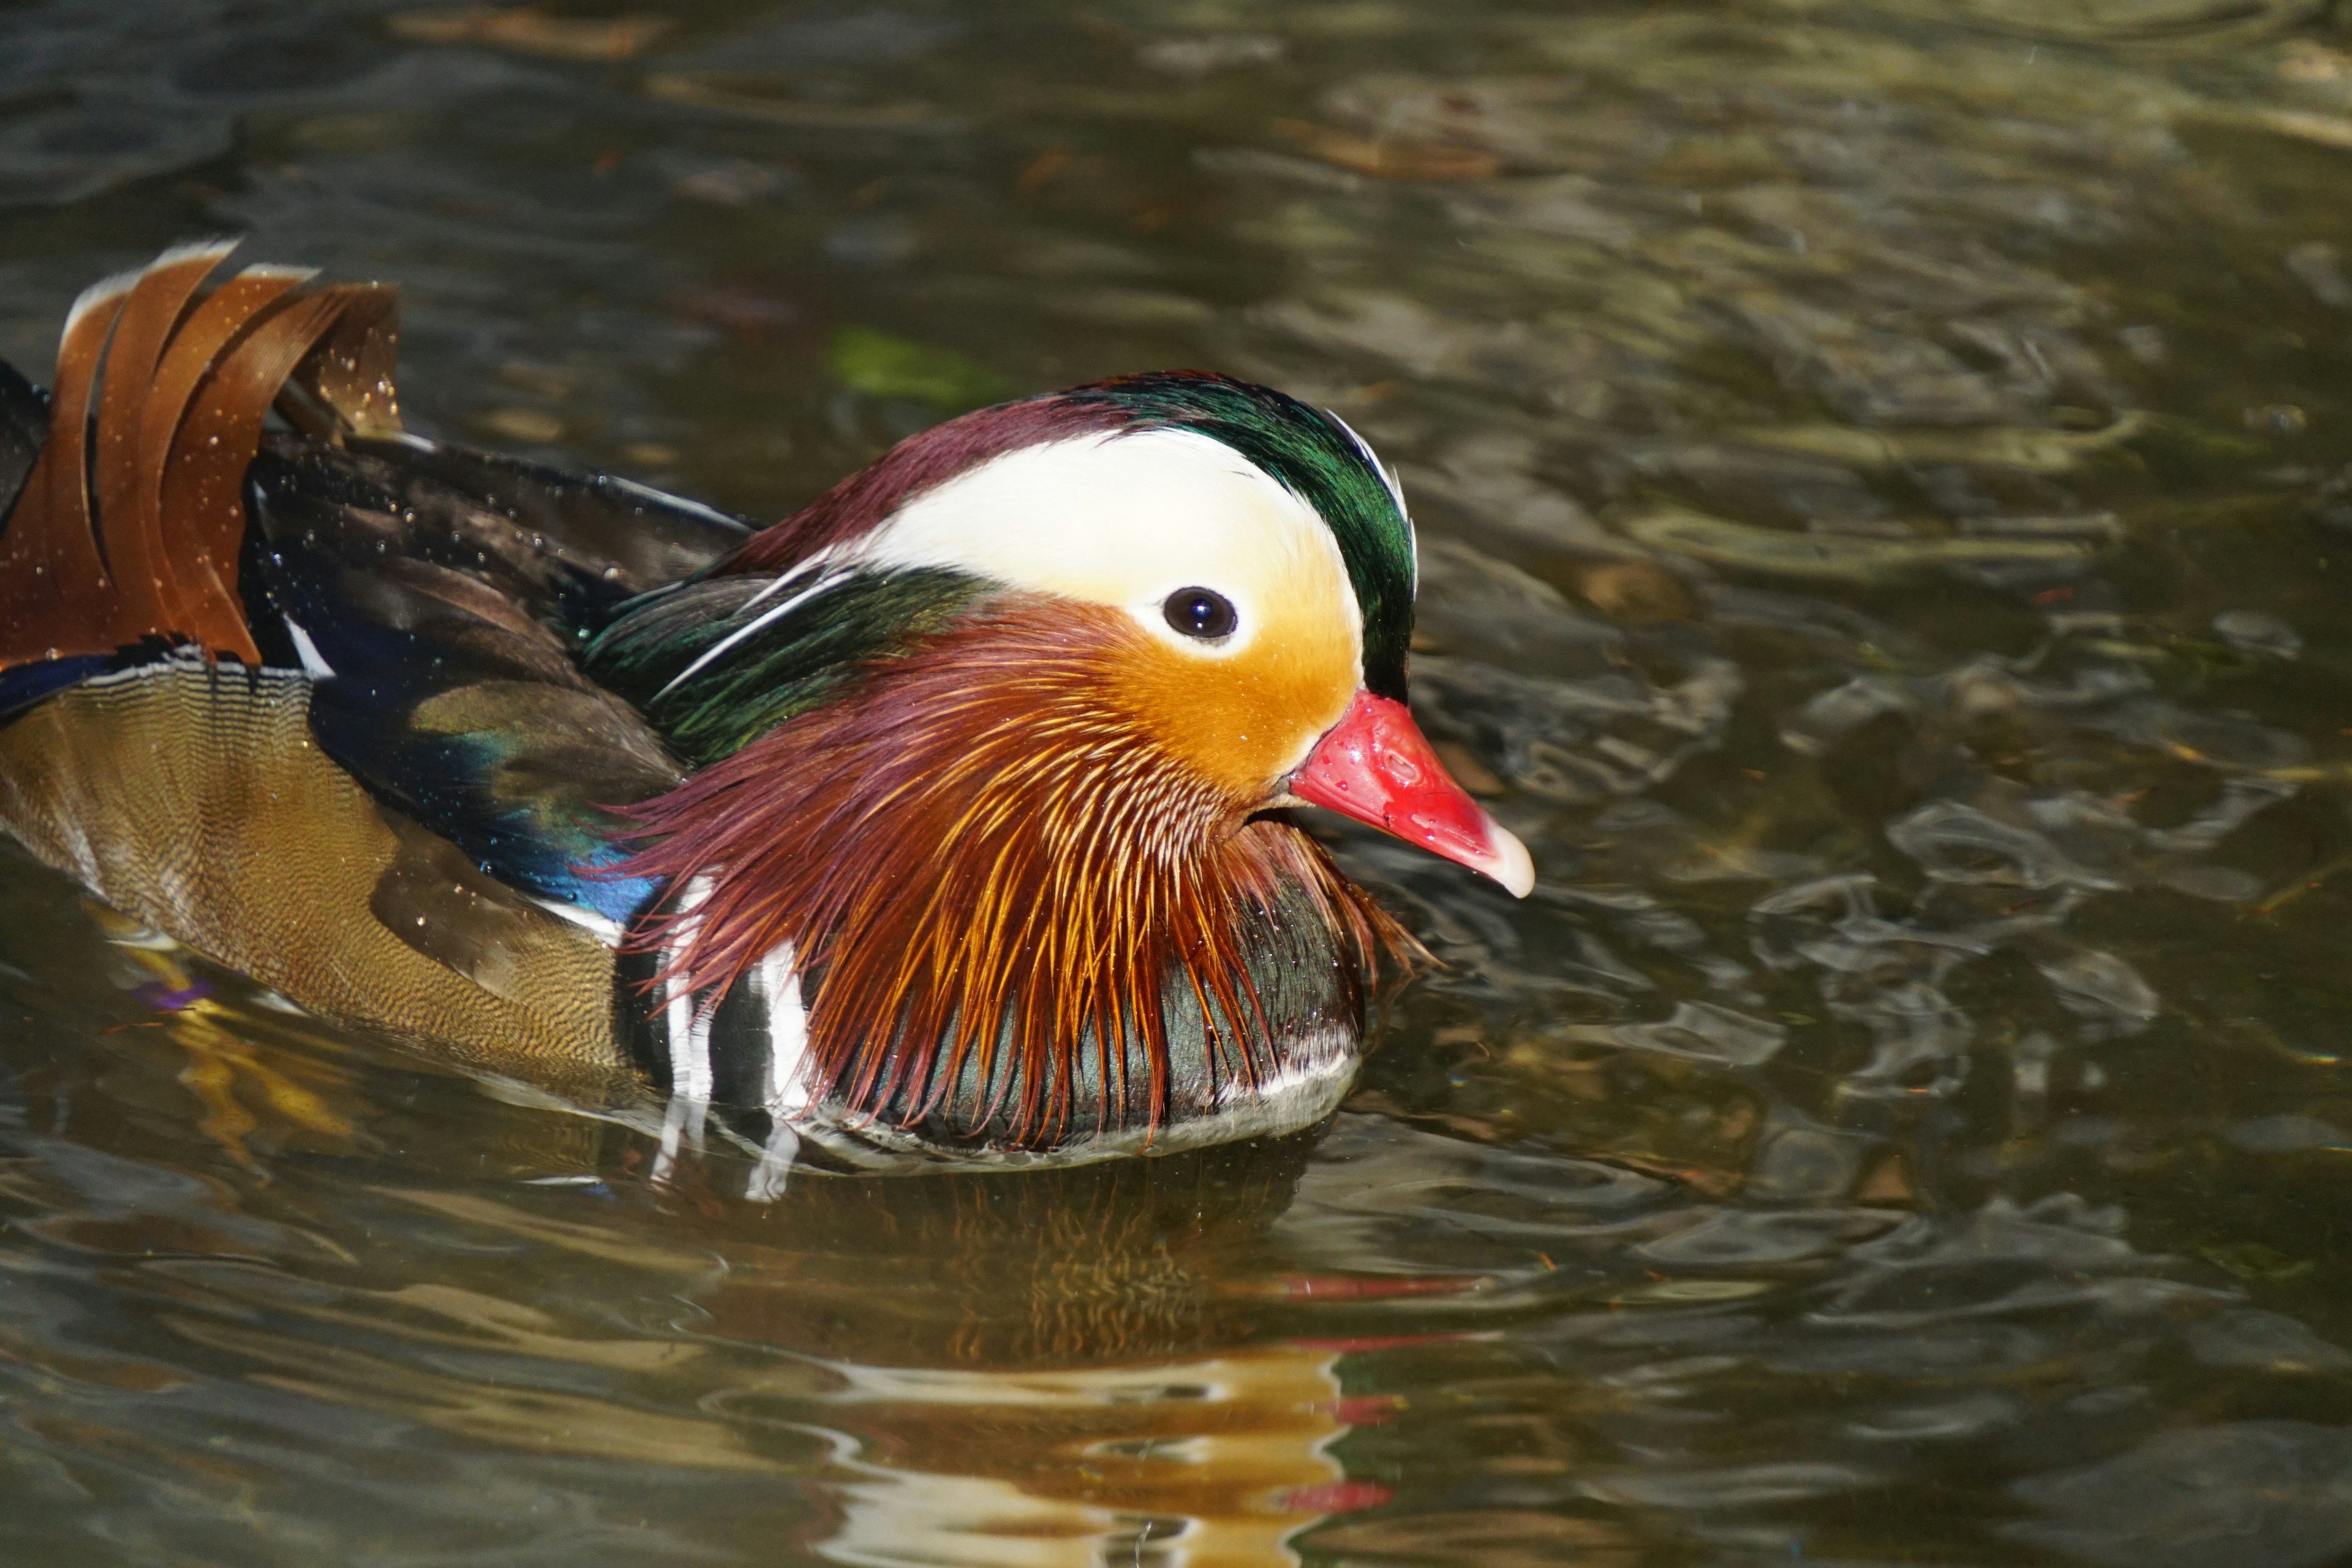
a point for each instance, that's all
(195, 798)
(751, 1053)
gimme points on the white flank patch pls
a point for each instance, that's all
(1126, 520)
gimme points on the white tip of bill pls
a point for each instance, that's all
(1509, 862)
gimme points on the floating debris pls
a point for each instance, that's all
(881, 365)
(1201, 57)
(1386, 158)
(765, 98)
(531, 30)
(2041, 451)
(1834, 557)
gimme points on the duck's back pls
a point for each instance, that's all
(386, 848)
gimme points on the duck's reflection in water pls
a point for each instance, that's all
(1217, 1460)
(1097, 1365)
(1057, 1383)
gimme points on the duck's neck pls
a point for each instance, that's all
(1011, 916)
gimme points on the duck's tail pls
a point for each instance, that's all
(127, 524)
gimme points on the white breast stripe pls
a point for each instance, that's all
(788, 1042)
(689, 1023)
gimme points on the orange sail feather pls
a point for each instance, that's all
(129, 526)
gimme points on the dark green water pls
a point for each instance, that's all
(1885, 475)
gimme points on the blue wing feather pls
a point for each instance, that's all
(442, 627)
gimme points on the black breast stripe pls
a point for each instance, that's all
(638, 1017)
(739, 1048)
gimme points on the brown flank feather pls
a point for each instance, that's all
(981, 854)
(132, 531)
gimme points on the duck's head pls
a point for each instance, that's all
(987, 731)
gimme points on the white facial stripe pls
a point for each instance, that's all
(1127, 520)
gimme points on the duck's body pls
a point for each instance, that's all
(930, 821)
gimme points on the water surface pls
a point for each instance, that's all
(1885, 471)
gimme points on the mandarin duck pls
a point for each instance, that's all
(944, 819)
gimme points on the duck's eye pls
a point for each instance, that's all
(1200, 613)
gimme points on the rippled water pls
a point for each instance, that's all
(1883, 473)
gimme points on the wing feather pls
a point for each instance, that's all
(54, 596)
(207, 332)
(129, 528)
(134, 541)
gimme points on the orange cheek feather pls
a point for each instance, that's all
(1241, 722)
